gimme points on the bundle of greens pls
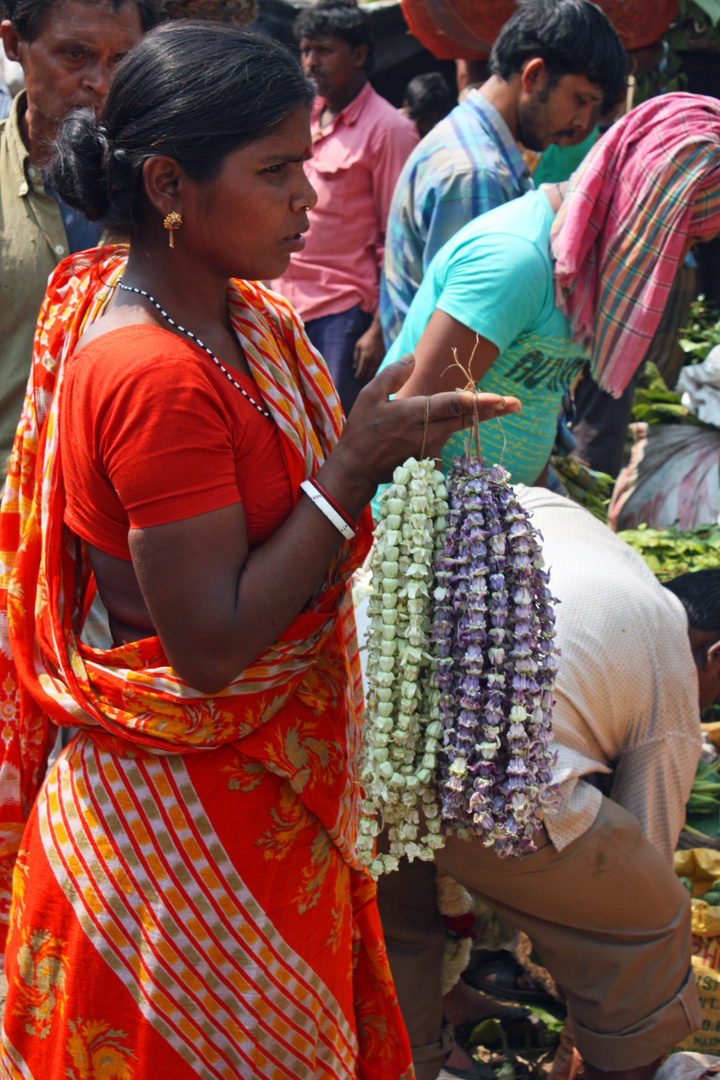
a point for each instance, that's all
(705, 791)
(586, 486)
(654, 403)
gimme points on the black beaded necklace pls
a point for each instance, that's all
(196, 339)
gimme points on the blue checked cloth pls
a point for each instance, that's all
(468, 164)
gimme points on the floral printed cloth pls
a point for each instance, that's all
(186, 897)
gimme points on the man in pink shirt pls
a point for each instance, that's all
(359, 145)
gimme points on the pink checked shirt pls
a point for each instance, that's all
(354, 168)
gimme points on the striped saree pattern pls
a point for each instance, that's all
(181, 896)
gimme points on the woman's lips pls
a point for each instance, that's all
(296, 242)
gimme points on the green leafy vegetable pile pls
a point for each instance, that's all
(654, 403)
(702, 332)
(671, 552)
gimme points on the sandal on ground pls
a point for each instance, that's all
(508, 1016)
(478, 1072)
(506, 971)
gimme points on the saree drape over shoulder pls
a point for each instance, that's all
(186, 898)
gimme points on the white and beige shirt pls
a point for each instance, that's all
(627, 693)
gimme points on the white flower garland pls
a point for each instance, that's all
(402, 725)
(461, 667)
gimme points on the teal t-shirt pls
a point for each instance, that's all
(496, 277)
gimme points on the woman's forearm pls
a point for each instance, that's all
(215, 605)
(436, 369)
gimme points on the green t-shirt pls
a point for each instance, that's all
(558, 163)
(496, 277)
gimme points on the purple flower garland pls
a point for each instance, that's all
(493, 630)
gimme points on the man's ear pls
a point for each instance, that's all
(359, 56)
(10, 40)
(532, 74)
(712, 658)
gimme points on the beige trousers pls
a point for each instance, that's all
(607, 916)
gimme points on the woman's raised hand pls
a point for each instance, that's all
(235, 601)
(380, 434)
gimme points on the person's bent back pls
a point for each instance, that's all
(551, 63)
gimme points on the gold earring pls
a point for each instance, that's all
(172, 221)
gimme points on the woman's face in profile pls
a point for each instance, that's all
(250, 218)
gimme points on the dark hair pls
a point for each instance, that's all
(27, 16)
(699, 592)
(194, 91)
(237, 12)
(341, 19)
(573, 37)
(428, 94)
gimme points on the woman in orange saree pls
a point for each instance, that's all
(181, 894)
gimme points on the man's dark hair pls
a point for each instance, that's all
(699, 592)
(341, 19)
(428, 94)
(27, 16)
(573, 37)
(162, 101)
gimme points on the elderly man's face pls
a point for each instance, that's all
(68, 65)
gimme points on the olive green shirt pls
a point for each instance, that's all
(32, 242)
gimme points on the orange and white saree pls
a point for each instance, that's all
(186, 897)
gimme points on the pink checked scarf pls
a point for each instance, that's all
(652, 181)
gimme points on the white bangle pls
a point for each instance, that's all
(329, 511)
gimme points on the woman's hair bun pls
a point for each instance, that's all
(78, 172)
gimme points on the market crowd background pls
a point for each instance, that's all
(656, 473)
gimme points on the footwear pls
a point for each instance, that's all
(478, 1072)
(508, 1016)
(506, 971)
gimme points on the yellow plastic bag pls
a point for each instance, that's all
(702, 867)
